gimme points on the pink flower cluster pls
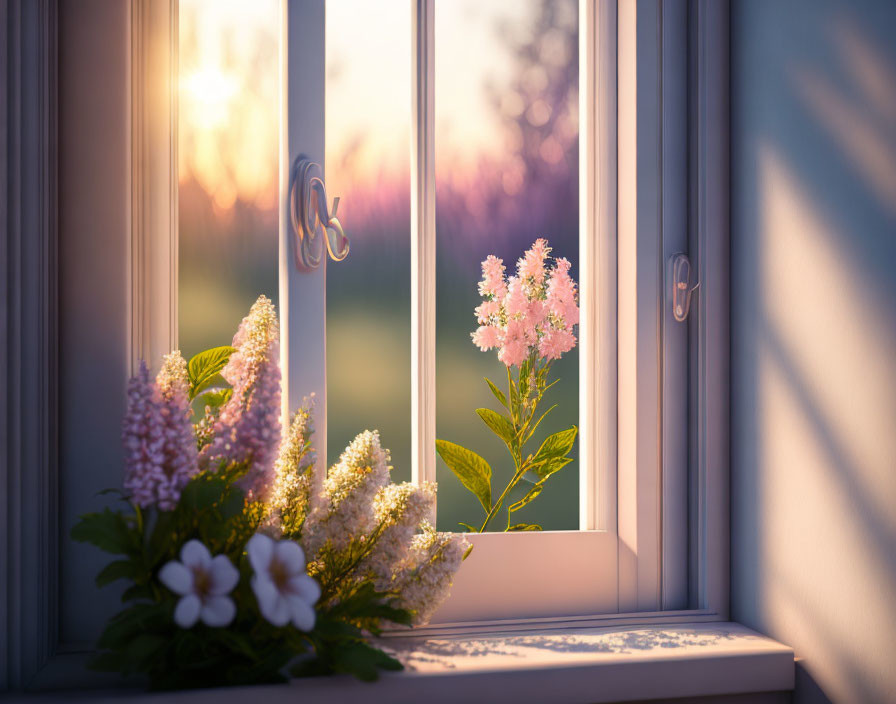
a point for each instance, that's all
(160, 452)
(248, 428)
(534, 311)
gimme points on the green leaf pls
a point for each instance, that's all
(237, 642)
(470, 529)
(497, 393)
(367, 603)
(145, 647)
(363, 661)
(551, 466)
(137, 591)
(524, 527)
(216, 399)
(232, 504)
(203, 492)
(530, 496)
(514, 396)
(203, 368)
(525, 368)
(160, 538)
(108, 530)
(473, 471)
(130, 623)
(500, 426)
(336, 629)
(556, 445)
(118, 569)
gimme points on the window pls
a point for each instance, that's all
(506, 173)
(367, 164)
(564, 120)
(133, 201)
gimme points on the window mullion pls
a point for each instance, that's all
(640, 298)
(303, 305)
(674, 145)
(597, 265)
(153, 242)
(423, 242)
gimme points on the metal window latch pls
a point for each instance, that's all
(681, 289)
(313, 224)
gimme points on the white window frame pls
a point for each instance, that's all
(32, 538)
(631, 555)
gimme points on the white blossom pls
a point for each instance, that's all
(399, 509)
(283, 589)
(291, 494)
(345, 510)
(203, 583)
(434, 557)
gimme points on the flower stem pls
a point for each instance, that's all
(518, 427)
(497, 507)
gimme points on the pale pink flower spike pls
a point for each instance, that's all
(533, 312)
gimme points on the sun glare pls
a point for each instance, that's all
(207, 97)
(229, 66)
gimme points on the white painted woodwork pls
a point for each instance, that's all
(675, 381)
(154, 180)
(303, 304)
(423, 242)
(640, 277)
(711, 362)
(597, 265)
(532, 575)
(685, 662)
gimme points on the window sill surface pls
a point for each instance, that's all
(585, 665)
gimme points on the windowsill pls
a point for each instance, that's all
(587, 665)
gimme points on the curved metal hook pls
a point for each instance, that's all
(312, 222)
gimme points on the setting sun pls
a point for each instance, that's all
(207, 97)
(228, 101)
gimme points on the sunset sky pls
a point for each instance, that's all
(228, 97)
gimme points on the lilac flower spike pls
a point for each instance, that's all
(181, 463)
(143, 436)
(248, 428)
(160, 453)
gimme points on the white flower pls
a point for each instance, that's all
(203, 583)
(434, 557)
(345, 509)
(284, 591)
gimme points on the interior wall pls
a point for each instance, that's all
(94, 227)
(813, 223)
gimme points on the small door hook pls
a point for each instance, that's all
(313, 223)
(681, 289)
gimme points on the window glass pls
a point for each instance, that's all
(368, 110)
(506, 94)
(228, 165)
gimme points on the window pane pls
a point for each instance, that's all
(228, 170)
(368, 166)
(506, 174)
